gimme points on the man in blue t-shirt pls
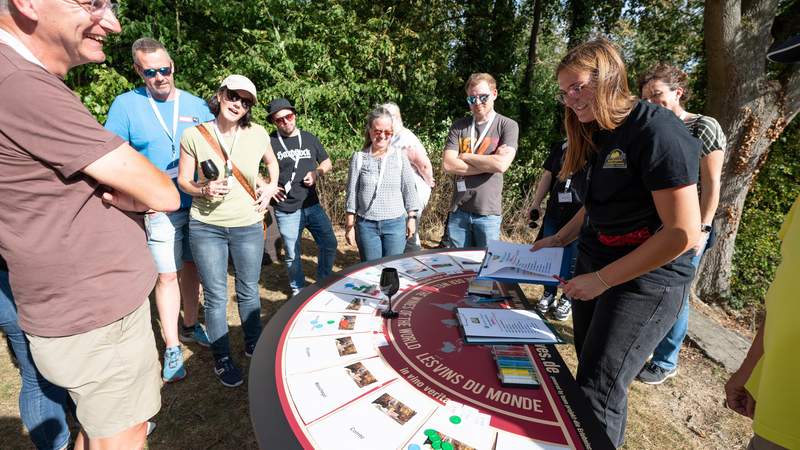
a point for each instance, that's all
(302, 160)
(152, 119)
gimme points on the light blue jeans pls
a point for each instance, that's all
(291, 226)
(42, 405)
(380, 238)
(168, 239)
(666, 354)
(468, 229)
(211, 246)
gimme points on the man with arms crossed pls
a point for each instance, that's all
(79, 268)
(478, 151)
(152, 119)
(302, 159)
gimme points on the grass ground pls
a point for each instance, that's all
(686, 412)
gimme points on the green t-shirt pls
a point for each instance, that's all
(237, 208)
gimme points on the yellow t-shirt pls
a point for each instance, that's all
(775, 382)
(236, 208)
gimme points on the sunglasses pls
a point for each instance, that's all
(384, 133)
(233, 97)
(285, 119)
(164, 71)
(474, 99)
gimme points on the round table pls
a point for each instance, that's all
(329, 372)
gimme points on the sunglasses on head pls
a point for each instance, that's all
(164, 71)
(282, 120)
(474, 99)
(234, 97)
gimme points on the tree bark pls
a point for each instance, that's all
(752, 108)
(527, 82)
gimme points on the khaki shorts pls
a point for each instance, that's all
(112, 373)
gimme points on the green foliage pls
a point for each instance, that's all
(757, 244)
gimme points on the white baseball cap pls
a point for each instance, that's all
(240, 83)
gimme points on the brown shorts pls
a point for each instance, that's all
(112, 373)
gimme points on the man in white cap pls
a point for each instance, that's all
(70, 190)
(152, 119)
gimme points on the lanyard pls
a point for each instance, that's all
(20, 48)
(175, 107)
(473, 144)
(228, 150)
(297, 159)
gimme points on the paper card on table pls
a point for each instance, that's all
(308, 354)
(327, 301)
(469, 260)
(310, 324)
(463, 427)
(315, 394)
(440, 263)
(366, 282)
(411, 267)
(507, 261)
(510, 441)
(485, 325)
(386, 418)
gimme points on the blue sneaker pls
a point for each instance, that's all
(227, 373)
(173, 365)
(194, 333)
(249, 349)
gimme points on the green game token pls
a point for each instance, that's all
(435, 438)
(437, 445)
(447, 446)
(431, 432)
(331, 321)
(455, 419)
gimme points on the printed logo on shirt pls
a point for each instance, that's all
(188, 119)
(295, 154)
(616, 160)
(466, 142)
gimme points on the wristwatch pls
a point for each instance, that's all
(705, 228)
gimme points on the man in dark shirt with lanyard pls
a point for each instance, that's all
(302, 160)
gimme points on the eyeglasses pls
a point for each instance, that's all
(384, 133)
(572, 91)
(97, 8)
(282, 120)
(474, 99)
(652, 97)
(164, 71)
(234, 97)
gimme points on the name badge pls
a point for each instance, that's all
(461, 185)
(172, 173)
(188, 119)
(287, 187)
(565, 197)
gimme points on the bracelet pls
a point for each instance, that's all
(601, 280)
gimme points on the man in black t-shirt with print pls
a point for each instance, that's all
(302, 160)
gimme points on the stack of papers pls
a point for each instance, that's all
(505, 261)
(504, 326)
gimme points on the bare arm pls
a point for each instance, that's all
(498, 162)
(131, 175)
(736, 396)
(453, 165)
(419, 159)
(542, 188)
(565, 235)
(710, 174)
(680, 215)
(324, 167)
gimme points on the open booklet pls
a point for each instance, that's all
(506, 261)
(505, 326)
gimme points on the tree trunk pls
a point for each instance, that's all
(525, 121)
(752, 108)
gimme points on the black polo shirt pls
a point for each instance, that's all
(651, 150)
(563, 200)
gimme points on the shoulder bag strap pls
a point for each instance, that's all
(221, 153)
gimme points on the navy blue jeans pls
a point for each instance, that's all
(42, 405)
(211, 246)
(614, 335)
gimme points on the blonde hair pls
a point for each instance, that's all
(476, 78)
(611, 104)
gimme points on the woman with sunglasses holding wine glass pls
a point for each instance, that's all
(640, 217)
(380, 175)
(229, 201)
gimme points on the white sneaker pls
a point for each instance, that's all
(545, 303)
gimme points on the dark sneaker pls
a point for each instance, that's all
(249, 349)
(545, 303)
(173, 365)
(194, 333)
(563, 309)
(654, 374)
(227, 373)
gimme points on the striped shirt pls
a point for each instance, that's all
(708, 131)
